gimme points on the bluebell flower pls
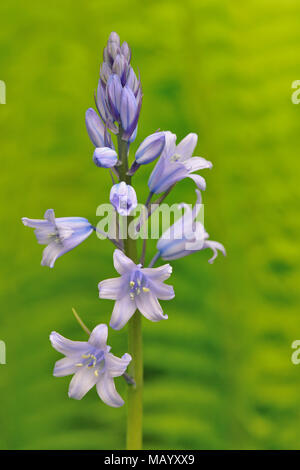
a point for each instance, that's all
(137, 288)
(177, 163)
(187, 236)
(105, 157)
(150, 148)
(92, 363)
(123, 198)
(59, 234)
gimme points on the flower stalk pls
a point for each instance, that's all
(134, 431)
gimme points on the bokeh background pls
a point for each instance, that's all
(218, 373)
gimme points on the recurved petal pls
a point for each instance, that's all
(214, 246)
(199, 180)
(111, 288)
(98, 337)
(68, 347)
(197, 163)
(107, 391)
(50, 216)
(36, 223)
(162, 291)
(116, 366)
(122, 263)
(149, 306)
(122, 312)
(158, 274)
(81, 383)
(65, 366)
(186, 147)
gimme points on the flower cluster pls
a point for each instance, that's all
(118, 102)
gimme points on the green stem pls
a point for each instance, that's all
(135, 345)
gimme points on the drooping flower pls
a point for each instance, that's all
(92, 363)
(177, 163)
(59, 234)
(187, 236)
(105, 157)
(137, 288)
(123, 198)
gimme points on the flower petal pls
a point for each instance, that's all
(162, 291)
(51, 253)
(116, 366)
(150, 148)
(66, 346)
(122, 263)
(65, 366)
(170, 144)
(186, 147)
(98, 337)
(81, 383)
(122, 312)
(199, 180)
(197, 163)
(149, 306)
(112, 288)
(214, 246)
(107, 391)
(105, 157)
(128, 109)
(95, 127)
(158, 274)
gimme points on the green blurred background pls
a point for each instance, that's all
(218, 373)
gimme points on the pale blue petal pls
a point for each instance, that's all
(68, 347)
(122, 263)
(98, 337)
(199, 180)
(112, 289)
(81, 383)
(149, 306)
(214, 246)
(162, 291)
(158, 274)
(116, 366)
(122, 312)
(186, 147)
(65, 366)
(107, 391)
(197, 163)
(170, 144)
